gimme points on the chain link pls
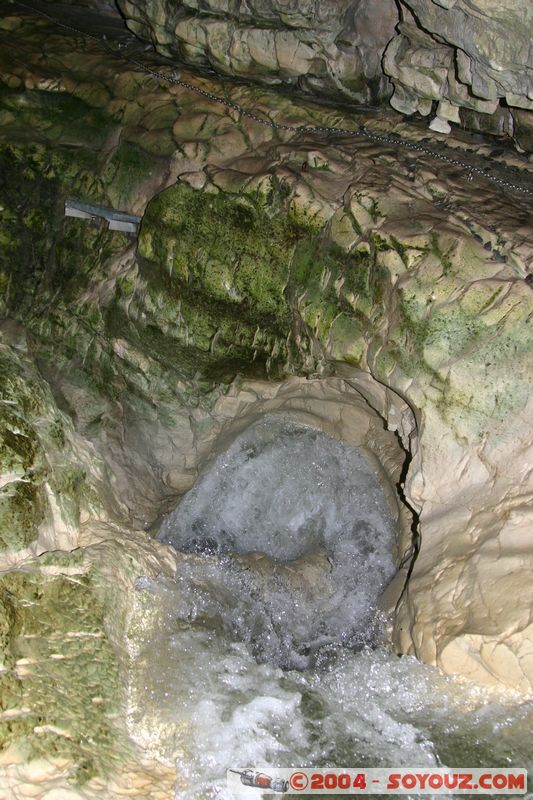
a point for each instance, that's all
(361, 132)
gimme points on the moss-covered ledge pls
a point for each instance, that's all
(43, 483)
(64, 667)
(59, 685)
(245, 276)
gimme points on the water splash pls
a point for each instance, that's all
(297, 542)
(214, 684)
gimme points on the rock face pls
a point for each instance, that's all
(107, 7)
(468, 57)
(63, 648)
(331, 48)
(377, 295)
(471, 59)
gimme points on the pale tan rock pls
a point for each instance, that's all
(469, 55)
(452, 255)
(343, 231)
(328, 47)
(440, 125)
(117, 559)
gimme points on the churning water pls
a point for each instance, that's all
(264, 651)
(298, 543)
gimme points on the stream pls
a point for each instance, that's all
(269, 648)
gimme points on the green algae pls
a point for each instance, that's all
(125, 171)
(49, 116)
(69, 486)
(214, 245)
(67, 695)
(443, 257)
(215, 270)
(474, 362)
(23, 502)
(347, 339)
(35, 455)
(23, 507)
(217, 286)
(224, 285)
(327, 280)
(227, 274)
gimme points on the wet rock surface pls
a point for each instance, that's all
(379, 292)
(300, 540)
(328, 48)
(63, 649)
(469, 61)
(467, 57)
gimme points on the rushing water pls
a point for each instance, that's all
(264, 651)
(314, 509)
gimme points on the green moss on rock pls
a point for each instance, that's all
(218, 246)
(23, 507)
(64, 700)
(215, 269)
(347, 339)
(35, 455)
(227, 273)
(49, 116)
(326, 281)
(129, 166)
(23, 502)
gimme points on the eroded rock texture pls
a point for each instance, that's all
(63, 648)
(273, 270)
(329, 48)
(471, 61)
(467, 57)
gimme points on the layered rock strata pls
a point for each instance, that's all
(473, 59)
(470, 62)
(331, 48)
(339, 278)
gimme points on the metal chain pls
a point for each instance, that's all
(361, 132)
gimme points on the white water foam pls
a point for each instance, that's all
(215, 685)
(304, 500)
(205, 702)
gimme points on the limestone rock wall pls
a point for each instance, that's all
(470, 60)
(43, 483)
(466, 57)
(272, 270)
(67, 575)
(63, 655)
(271, 256)
(331, 48)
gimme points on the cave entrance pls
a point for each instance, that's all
(295, 524)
